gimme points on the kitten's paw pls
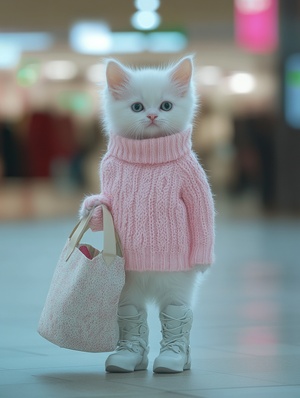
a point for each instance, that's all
(89, 203)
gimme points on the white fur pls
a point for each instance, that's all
(150, 87)
(162, 288)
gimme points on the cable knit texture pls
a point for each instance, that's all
(161, 203)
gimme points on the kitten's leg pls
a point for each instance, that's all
(132, 351)
(176, 319)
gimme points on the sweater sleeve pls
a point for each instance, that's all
(93, 202)
(199, 203)
(96, 223)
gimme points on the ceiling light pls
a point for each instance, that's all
(147, 5)
(60, 70)
(10, 55)
(145, 20)
(91, 38)
(167, 42)
(242, 83)
(29, 41)
(13, 44)
(128, 42)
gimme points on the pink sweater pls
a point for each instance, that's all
(160, 201)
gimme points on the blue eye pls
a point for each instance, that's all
(137, 107)
(166, 106)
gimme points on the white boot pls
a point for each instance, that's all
(132, 351)
(174, 354)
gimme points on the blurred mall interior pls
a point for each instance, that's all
(247, 130)
(246, 135)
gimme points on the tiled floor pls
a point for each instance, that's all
(246, 333)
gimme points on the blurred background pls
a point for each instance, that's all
(247, 133)
(247, 136)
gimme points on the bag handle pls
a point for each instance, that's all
(109, 237)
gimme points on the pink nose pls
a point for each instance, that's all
(152, 116)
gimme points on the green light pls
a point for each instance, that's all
(293, 78)
(28, 74)
(77, 102)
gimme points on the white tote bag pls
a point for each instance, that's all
(80, 312)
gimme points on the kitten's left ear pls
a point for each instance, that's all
(117, 78)
(181, 74)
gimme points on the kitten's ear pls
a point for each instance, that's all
(181, 75)
(117, 78)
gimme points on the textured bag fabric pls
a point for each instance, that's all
(80, 312)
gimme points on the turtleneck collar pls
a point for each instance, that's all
(152, 150)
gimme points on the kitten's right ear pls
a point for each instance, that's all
(117, 78)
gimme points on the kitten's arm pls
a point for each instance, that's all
(199, 203)
(94, 201)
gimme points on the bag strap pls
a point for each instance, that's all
(109, 236)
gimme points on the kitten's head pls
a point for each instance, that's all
(149, 103)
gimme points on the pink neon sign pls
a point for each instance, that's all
(256, 25)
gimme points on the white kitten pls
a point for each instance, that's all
(149, 103)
